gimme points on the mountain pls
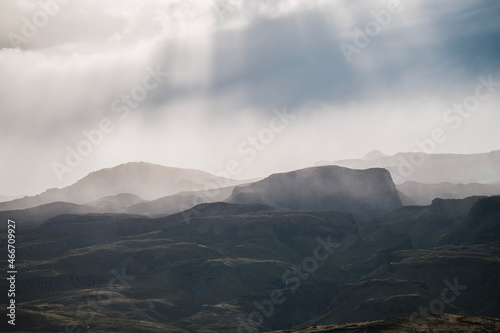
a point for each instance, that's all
(281, 257)
(373, 155)
(4, 198)
(148, 181)
(363, 193)
(121, 200)
(124, 203)
(423, 194)
(432, 168)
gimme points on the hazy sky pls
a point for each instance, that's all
(351, 80)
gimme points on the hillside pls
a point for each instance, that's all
(439, 323)
(198, 270)
(185, 271)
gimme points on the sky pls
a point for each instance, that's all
(239, 88)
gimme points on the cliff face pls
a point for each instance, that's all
(363, 193)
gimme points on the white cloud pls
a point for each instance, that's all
(231, 62)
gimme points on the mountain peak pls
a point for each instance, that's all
(373, 155)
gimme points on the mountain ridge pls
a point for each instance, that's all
(146, 180)
(432, 168)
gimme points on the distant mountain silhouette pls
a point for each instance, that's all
(373, 155)
(423, 194)
(431, 168)
(363, 193)
(148, 181)
(123, 200)
(179, 202)
(4, 198)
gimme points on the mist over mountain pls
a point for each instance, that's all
(197, 259)
(230, 225)
(145, 180)
(424, 194)
(181, 201)
(363, 193)
(432, 168)
(195, 264)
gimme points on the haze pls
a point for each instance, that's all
(232, 66)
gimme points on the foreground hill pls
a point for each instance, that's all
(192, 270)
(145, 180)
(363, 193)
(471, 220)
(33, 217)
(439, 323)
(216, 267)
(409, 256)
(433, 168)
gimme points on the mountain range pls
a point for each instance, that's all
(145, 180)
(422, 177)
(431, 168)
(321, 249)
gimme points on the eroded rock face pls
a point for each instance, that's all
(363, 193)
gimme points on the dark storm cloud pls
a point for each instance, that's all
(296, 59)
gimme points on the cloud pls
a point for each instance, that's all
(231, 62)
